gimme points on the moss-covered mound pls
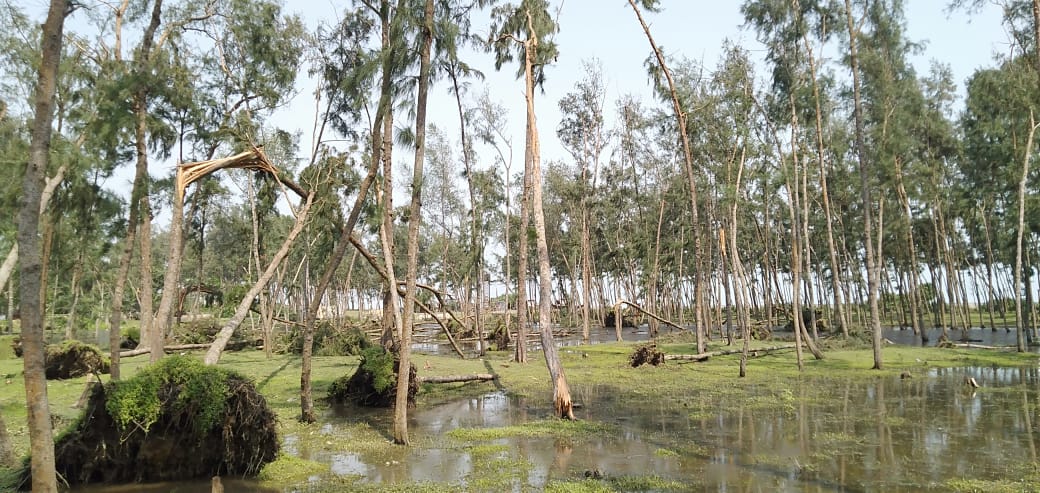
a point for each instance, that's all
(374, 384)
(73, 359)
(175, 420)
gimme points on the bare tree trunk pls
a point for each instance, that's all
(77, 272)
(915, 318)
(45, 197)
(561, 391)
(171, 281)
(41, 438)
(520, 354)
(1019, 320)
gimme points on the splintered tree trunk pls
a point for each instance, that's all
(561, 391)
(41, 438)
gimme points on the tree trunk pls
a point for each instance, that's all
(171, 281)
(520, 354)
(70, 323)
(222, 338)
(915, 319)
(1019, 315)
(415, 218)
(680, 116)
(45, 197)
(561, 391)
(873, 270)
(41, 438)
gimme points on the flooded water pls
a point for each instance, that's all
(884, 434)
(819, 434)
(827, 435)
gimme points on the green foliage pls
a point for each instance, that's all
(330, 340)
(176, 381)
(380, 363)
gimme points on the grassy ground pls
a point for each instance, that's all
(668, 385)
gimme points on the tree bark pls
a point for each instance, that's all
(41, 438)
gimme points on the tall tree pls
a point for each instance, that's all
(523, 27)
(41, 437)
(691, 178)
(414, 220)
(873, 269)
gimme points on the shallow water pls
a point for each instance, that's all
(884, 434)
(823, 434)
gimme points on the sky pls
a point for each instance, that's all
(608, 31)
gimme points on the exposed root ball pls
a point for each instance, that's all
(374, 384)
(176, 420)
(646, 354)
(72, 359)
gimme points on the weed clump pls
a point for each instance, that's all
(175, 420)
(73, 359)
(374, 384)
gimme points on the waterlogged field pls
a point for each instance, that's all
(836, 426)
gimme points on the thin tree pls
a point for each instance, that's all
(873, 270)
(681, 119)
(414, 220)
(41, 438)
(531, 20)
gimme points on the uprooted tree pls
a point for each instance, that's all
(177, 419)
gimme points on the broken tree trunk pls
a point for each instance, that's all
(168, 349)
(705, 356)
(213, 355)
(371, 259)
(479, 377)
(617, 317)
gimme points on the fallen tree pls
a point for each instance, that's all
(617, 317)
(213, 355)
(705, 356)
(167, 349)
(479, 377)
(176, 420)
